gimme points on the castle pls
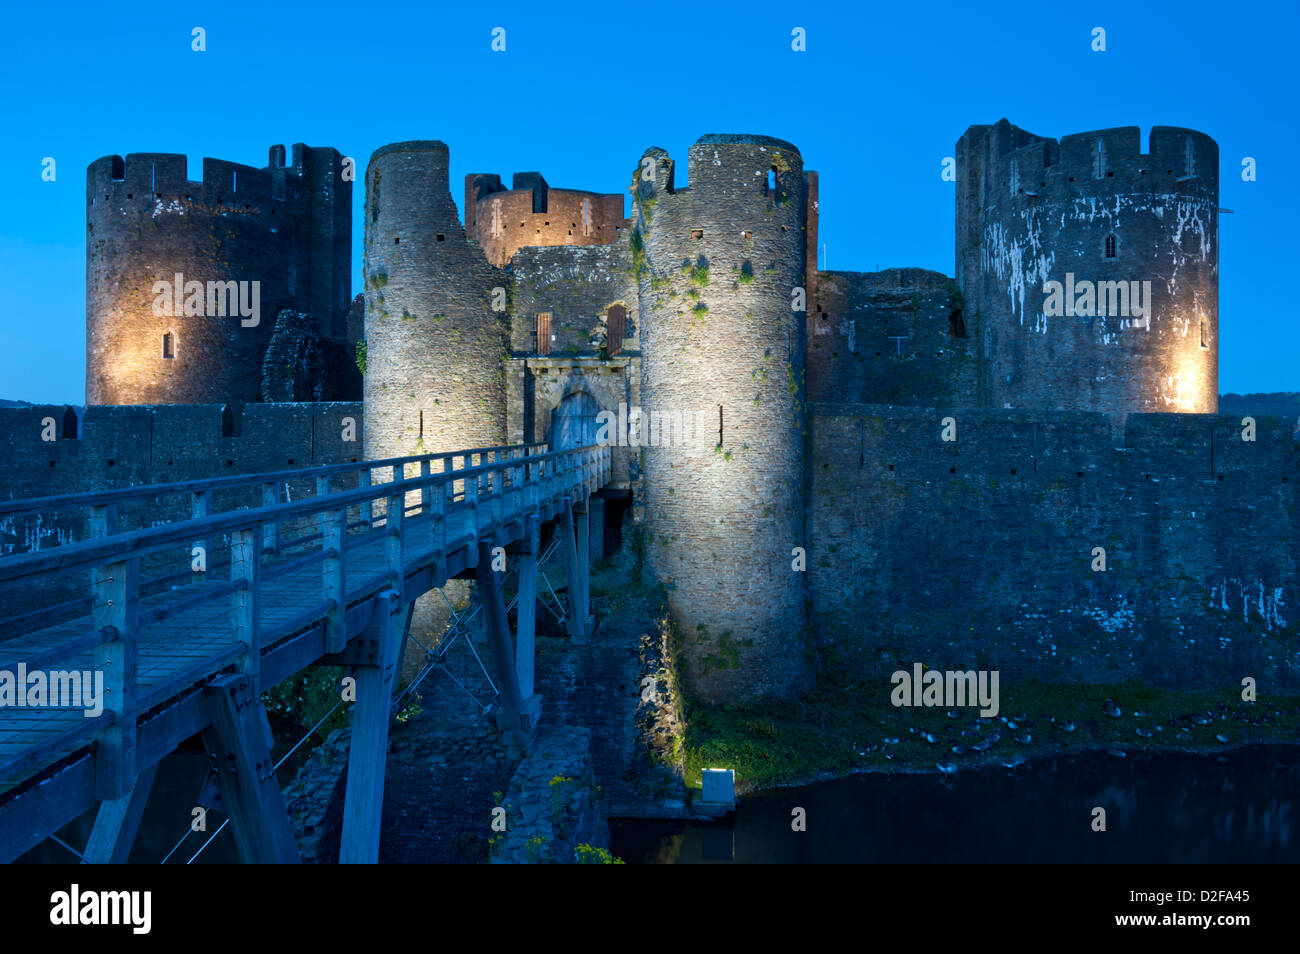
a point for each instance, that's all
(896, 465)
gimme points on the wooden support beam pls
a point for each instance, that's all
(582, 521)
(403, 621)
(363, 799)
(115, 590)
(526, 610)
(246, 604)
(577, 616)
(239, 738)
(489, 587)
(596, 514)
(117, 821)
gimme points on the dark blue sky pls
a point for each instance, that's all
(875, 104)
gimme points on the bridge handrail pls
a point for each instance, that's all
(556, 476)
(93, 498)
(138, 543)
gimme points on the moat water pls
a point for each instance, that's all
(1239, 807)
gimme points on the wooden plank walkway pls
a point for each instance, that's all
(190, 634)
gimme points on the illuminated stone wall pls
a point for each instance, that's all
(979, 553)
(129, 446)
(435, 348)
(533, 214)
(287, 228)
(720, 339)
(1031, 210)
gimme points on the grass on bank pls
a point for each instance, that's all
(847, 724)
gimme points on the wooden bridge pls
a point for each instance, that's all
(190, 652)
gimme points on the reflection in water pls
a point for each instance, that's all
(1163, 808)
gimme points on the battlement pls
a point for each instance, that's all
(435, 163)
(1052, 445)
(225, 186)
(725, 162)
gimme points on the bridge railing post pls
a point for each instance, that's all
(271, 530)
(438, 533)
(200, 507)
(115, 590)
(449, 467)
(103, 521)
(519, 478)
(333, 526)
(394, 535)
(498, 478)
(425, 490)
(246, 602)
(366, 512)
(471, 499)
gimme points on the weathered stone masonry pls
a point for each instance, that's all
(129, 446)
(1030, 210)
(817, 429)
(979, 553)
(289, 228)
(721, 337)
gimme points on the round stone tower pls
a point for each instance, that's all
(1089, 269)
(435, 347)
(184, 279)
(721, 265)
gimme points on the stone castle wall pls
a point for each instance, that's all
(979, 553)
(976, 553)
(720, 338)
(130, 446)
(708, 276)
(891, 337)
(533, 214)
(1031, 210)
(435, 348)
(288, 228)
(577, 286)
